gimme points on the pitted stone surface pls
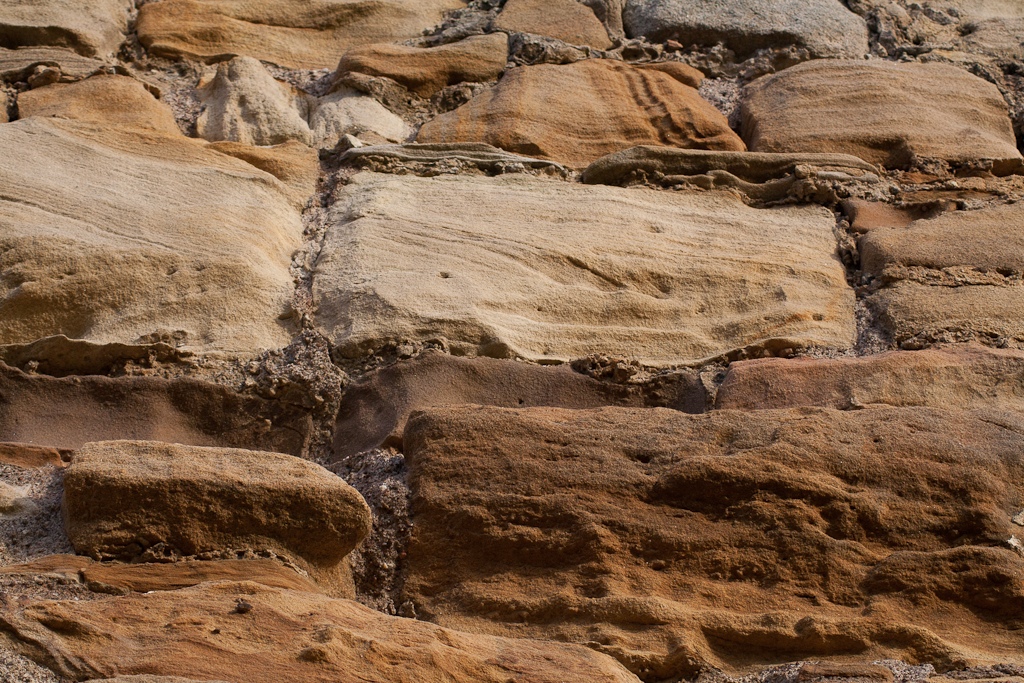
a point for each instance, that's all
(544, 270)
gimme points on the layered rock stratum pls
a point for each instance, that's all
(512, 340)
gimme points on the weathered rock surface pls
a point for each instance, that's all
(579, 112)
(30, 455)
(425, 71)
(66, 413)
(123, 497)
(18, 65)
(348, 112)
(824, 27)
(115, 578)
(545, 270)
(293, 163)
(151, 679)
(428, 159)
(960, 273)
(244, 103)
(889, 114)
(286, 635)
(117, 228)
(90, 28)
(307, 36)
(374, 412)
(566, 20)
(760, 176)
(732, 539)
(963, 378)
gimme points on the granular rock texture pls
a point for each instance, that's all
(580, 112)
(823, 27)
(886, 113)
(523, 267)
(200, 632)
(310, 35)
(733, 539)
(123, 497)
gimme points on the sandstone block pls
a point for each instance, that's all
(244, 103)
(94, 28)
(18, 65)
(68, 412)
(958, 273)
(579, 112)
(374, 412)
(284, 635)
(887, 113)
(305, 36)
(824, 27)
(347, 112)
(518, 266)
(731, 539)
(118, 229)
(122, 497)
(967, 378)
(566, 20)
(425, 71)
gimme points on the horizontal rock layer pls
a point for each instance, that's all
(544, 270)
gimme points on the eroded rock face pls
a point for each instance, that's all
(566, 20)
(730, 539)
(579, 112)
(243, 103)
(963, 378)
(68, 412)
(283, 635)
(893, 115)
(94, 28)
(123, 497)
(116, 228)
(544, 270)
(306, 36)
(824, 27)
(957, 274)
(425, 71)
(374, 412)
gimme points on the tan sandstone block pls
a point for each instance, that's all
(825, 28)
(425, 71)
(886, 113)
(550, 271)
(93, 28)
(242, 631)
(577, 113)
(567, 20)
(307, 35)
(123, 497)
(966, 378)
(732, 539)
(117, 228)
